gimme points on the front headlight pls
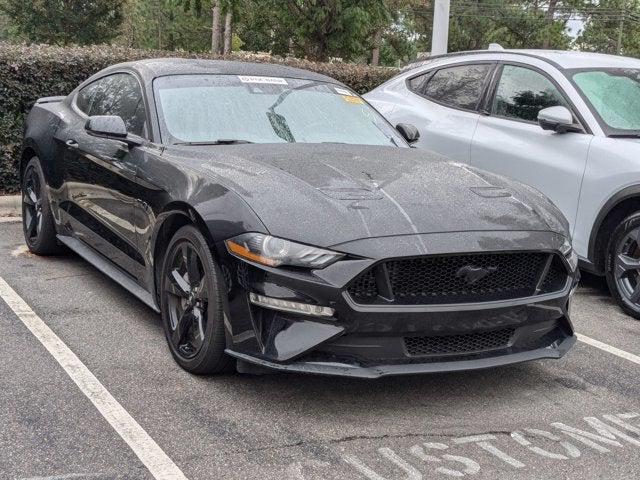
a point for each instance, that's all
(273, 251)
(570, 254)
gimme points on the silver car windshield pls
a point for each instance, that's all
(227, 109)
(614, 95)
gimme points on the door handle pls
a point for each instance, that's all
(72, 144)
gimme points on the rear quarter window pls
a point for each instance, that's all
(460, 86)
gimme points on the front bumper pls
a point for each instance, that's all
(371, 341)
(556, 350)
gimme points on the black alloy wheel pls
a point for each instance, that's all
(623, 265)
(37, 221)
(192, 305)
(32, 205)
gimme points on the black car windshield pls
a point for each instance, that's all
(614, 95)
(227, 109)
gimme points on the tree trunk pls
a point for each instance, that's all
(620, 34)
(215, 28)
(551, 11)
(375, 55)
(228, 34)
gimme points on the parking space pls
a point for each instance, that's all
(576, 417)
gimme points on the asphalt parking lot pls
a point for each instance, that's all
(578, 417)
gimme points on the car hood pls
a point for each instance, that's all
(328, 194)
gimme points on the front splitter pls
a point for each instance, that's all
(347, 370)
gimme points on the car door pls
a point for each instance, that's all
(509, 141)
(99, 173)
(443, 104)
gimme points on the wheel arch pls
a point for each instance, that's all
(174, 216)
(29, 150)
(617, 208)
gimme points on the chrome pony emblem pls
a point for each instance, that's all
(472, 274)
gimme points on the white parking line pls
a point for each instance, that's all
(608, 348)
(10, 219)
(147, 450)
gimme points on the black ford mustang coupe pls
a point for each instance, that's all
(279, 222)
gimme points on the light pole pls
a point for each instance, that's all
(440, 34)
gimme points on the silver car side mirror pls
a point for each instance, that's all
(558, 119)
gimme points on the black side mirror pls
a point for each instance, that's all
(111, 127)
(409, 132)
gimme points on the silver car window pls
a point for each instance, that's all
(523, 92)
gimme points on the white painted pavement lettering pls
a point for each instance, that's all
(614, 432)
(147, 450)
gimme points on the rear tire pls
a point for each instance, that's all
(191, 298)
(37, 220)
(623, 265)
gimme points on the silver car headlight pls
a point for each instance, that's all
(274, 251)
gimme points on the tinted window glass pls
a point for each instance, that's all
(523, 92)
(85, 96)
(119, 95)
(459, 86)
(418, 84)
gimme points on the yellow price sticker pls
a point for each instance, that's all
(352, 99)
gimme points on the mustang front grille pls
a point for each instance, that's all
(465, 278)
(458, 344)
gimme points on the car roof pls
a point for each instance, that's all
(159, 67)
(572, 59)
(564, 59)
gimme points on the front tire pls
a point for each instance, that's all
(623, 265)
(37, 220)
(191, 299)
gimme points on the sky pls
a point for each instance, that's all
(574, 27)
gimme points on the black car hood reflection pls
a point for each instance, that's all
(328, 194)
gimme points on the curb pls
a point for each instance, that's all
(10, 206)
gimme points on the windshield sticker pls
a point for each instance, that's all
(352, 99)
(344, 91)
(268, 80)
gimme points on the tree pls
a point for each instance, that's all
(65, 21)
(612, 27)
(512, 23)
(258, 28)
(167, 24)
(325, 28)
(393, 41)
(315, 29)
(5, 28)
(215, 27)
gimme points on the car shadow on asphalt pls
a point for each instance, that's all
(307, 394)
(594, 282)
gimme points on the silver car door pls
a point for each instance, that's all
(509, 141)
(442, 103)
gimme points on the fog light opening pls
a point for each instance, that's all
(289, 306)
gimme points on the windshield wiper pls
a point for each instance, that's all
(625, 135)
(221, 141)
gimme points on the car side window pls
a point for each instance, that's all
(117, 94)
(460, 86)
(523, 92)
(418, 84)
(85, 97)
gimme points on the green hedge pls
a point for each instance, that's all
(30, 72)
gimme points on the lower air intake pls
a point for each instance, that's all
(458, 344)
